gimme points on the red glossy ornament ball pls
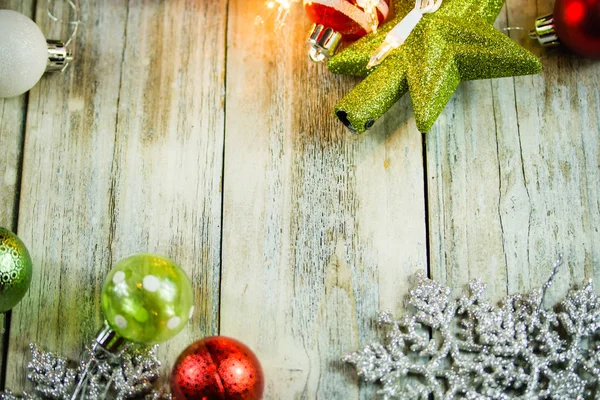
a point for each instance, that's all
(336, 17)
(217, 368)
(578, 25)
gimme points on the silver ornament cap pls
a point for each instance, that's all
(545, 31)
(108, 340)
(323, 43)
(58, 56)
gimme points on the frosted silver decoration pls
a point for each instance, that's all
(467, 348)
(130, 374)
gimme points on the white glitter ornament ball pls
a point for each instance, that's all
(23, 53)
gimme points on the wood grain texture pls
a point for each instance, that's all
(180, 114)
(321, 228)
(123, 155)
(12, 132)
(513, 174)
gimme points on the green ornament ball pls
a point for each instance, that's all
(15, 270)
(147, 298)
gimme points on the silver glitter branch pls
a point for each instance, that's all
(467, 348)
(129, 375)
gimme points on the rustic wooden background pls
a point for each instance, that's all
(183, 129)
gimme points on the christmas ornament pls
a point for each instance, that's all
(25, 54)
(15, 270)
(575, 23)
(453, 44)
(337, 20)
(147, 298)
(217, 368)
(467, 348)
(129, 376)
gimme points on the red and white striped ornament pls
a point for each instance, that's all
(342, 20)
(351, 18)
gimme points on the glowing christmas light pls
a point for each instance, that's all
(277, 12)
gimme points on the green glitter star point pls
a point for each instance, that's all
(456, 43)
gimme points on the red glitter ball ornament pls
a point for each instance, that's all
(217, 368)
(338, 15)
(578, 26)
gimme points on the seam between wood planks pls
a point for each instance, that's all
(115, 165)
(224, 94)
(426, 204)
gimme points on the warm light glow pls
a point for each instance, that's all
(277, 13)
(370, 8)
(280, 4)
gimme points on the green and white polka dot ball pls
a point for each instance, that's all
(147, 298)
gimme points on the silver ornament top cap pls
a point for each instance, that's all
(545, 31)
(58, 56)
(323, 43)
(108, 340)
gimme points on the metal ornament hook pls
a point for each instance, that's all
(60, 53)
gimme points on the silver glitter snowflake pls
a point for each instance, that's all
(128, 375)
(468, 349)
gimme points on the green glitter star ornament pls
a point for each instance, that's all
(456, 43)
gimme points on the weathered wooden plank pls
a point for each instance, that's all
(513, 175)
(321, 228)
(559, 129)
(12, 132)
(463, 192)
(64, 208)
(12, 123)
(167, 167)
(123, 154)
